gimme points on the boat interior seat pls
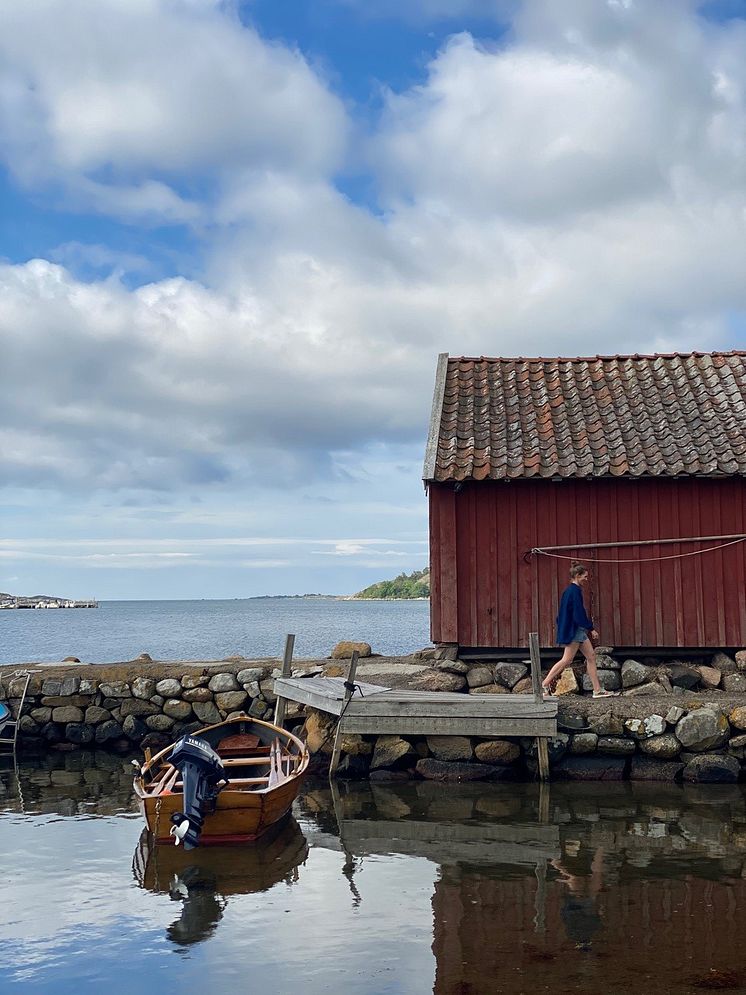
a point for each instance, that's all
(241, 745)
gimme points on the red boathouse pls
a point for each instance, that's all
(635, 465)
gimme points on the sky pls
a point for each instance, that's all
(234, 237)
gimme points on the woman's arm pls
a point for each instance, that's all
(579, 615)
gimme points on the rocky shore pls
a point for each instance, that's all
(671, 721)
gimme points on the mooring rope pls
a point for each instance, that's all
(642, 559)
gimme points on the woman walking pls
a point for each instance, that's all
(574, 631)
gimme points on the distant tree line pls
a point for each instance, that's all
(414, 585)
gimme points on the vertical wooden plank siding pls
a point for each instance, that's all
(485, 594)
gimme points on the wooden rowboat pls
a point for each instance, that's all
(263, 767)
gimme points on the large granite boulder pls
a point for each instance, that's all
(737, 717)
(710, 677)
(450, 747)
(223, 682)
(206, 711)
(480, 676)
(608, 679)
(159, 723)
(567, 682)
(169, 687)
(702, 729)
(134, 728)
(143, 687)
(137, 707)
(497, 751)
(734, 683)
(451, 666)
(438, 680)
(664, 747)
(725, 664)
(392, 751)
(345, 649)
(115, 689)
(108, 731)
(606, 724)
(583, 743)
(192, 681)
(67, 714)
(179, 710)
(94, 715)
(249, 674)
(510, 673)
(652, 725)
(79, 733)
(590, 768)
(634, 673)
(649, 769)
(230, 701)
(683, 676)
(200, 694)
(712, 769)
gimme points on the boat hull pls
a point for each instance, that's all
(239, 816)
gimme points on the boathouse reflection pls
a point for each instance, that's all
(615, 887)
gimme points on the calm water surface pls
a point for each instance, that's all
(210, 630)
(377, 888)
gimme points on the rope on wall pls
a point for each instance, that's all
(550, 551)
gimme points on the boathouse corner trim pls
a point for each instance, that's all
(431, 449)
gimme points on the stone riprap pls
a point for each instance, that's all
(142, 704)
(673, 720)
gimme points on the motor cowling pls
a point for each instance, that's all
(203, 777)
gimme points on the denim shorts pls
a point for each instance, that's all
(580, 636)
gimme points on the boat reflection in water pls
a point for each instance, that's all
(203, 879)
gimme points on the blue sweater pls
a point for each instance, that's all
(572, 614)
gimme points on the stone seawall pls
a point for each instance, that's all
(671, 721)
(141, 704)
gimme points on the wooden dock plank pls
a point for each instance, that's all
(379, 710)
(440, 725)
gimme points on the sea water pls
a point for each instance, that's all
(209, 630)
(378, 889)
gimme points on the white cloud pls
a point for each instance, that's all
(578, 189)
(116, 100)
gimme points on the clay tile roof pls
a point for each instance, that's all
(662, 415)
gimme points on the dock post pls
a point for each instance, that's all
(349, 691)
(287, 661)
(542, 752)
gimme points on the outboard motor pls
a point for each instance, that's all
(203, 777)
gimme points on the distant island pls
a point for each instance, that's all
(405, 587)
(43, 601)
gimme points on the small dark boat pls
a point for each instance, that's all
(226, 783)
(4, 716)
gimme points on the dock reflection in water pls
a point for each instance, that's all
(386, 888)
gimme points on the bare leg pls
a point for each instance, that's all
(567, 657)
(590, 661)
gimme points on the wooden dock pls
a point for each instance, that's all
(371, 709)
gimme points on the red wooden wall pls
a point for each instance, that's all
(484, 594)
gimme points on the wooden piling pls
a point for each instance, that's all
(542, 751)
(287, 663)
(349, 691)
